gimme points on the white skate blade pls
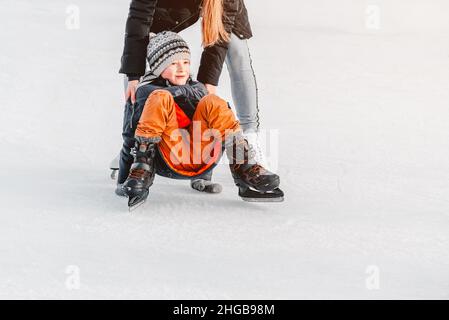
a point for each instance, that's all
(136, 201)
(260, 200)
(136, 205)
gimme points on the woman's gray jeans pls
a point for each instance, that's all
(243, 83)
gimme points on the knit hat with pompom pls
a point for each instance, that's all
(163, 49)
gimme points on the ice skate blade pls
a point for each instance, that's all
(132, 207)
(271, 186)
(136, 201)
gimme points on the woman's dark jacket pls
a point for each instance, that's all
(186, 97)
(147, 16)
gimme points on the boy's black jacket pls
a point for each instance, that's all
(186, 97)
(147, 16)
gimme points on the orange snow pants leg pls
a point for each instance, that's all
(194, 149)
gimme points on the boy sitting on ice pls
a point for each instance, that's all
(171, 126)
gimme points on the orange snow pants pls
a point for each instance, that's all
(192, 150)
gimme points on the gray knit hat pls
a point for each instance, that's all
(164, 48)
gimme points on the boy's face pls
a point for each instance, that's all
(178, 72)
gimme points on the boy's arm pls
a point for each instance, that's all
(192, 93)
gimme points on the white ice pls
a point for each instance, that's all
(359, 94)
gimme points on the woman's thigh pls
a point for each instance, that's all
(243, 83)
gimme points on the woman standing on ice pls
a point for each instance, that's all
(225, 30)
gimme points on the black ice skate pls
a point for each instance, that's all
(256, 184)
(142, 172)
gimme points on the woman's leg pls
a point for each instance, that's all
(245, 94)
(243, 84)
(213, 114)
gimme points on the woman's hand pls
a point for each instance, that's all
(211, 89)
(131, 91)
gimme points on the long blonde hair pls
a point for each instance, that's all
(213, 29)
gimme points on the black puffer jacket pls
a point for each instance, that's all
(147, 16)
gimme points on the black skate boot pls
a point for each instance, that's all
(256, 184)
(142, 172)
